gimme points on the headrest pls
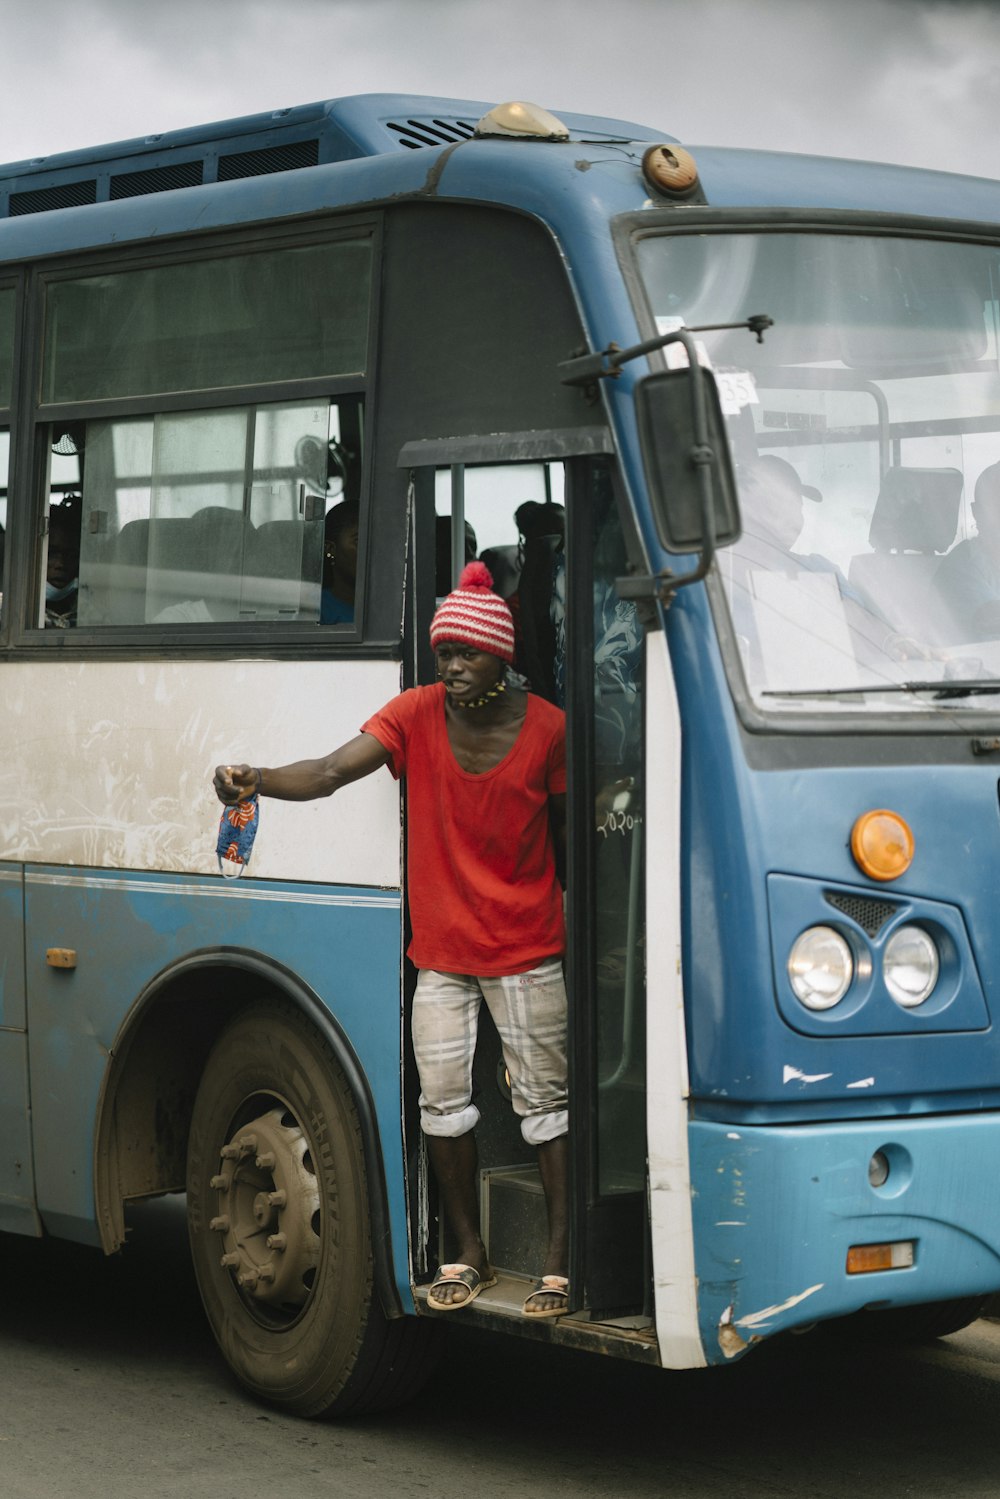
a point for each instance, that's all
(916, 510)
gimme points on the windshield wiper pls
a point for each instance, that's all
(941, 689)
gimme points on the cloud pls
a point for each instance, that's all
(908, 80)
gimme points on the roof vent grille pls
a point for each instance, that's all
(156, 180)
(269, 159)
(417, 133)
(40, 199)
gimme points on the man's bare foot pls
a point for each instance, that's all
(457, 1284)
(550, 1298)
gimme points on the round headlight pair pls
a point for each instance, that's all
(821, 967)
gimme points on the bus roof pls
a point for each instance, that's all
(375, 148)
(349, 129)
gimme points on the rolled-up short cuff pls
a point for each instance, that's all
(539, 1129)
(450, 1126)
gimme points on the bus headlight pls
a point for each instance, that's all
(910, 966)
(820, 968)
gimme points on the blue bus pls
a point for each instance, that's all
(724, 426)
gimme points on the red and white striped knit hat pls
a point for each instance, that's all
(474, 615)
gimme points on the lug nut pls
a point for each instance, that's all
(265, 1161)
(229, 1261)
(220, 1183)
(277, 1199)
(219, 1225)
(266, 1272)
(278, 1242)
(230, 1152)
(248, 1280)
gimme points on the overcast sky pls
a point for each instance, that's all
(915, 81)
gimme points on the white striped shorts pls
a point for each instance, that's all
(529, 1011)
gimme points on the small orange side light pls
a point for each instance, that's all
(882, 845)
(862, 1259)
(670, 169)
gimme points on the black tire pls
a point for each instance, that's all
(920, 1324)
(276, 1183)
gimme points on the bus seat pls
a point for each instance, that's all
(913, 524)
(195, 565)
(284, 569)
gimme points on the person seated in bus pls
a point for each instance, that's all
(62, 568)
(541, 558)
(772, 511)
(485, 768)
(967, 580)
(340, 564)
(442, 553)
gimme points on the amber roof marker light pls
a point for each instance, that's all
(670, 169)
(882, 844)
(519, 119)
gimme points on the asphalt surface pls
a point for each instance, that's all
(112, 1388)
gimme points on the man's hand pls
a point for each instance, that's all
(234, 783)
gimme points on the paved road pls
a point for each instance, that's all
(111, 1388)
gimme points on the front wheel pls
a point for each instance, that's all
(917, 1324)
(279, 1226)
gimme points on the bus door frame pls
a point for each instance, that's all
(605, 1232)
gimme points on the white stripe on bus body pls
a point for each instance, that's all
(230, 890)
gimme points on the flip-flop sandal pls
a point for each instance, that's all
(459, 1275)
(549, 1285)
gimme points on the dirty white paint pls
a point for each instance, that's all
(863, 1082)
(793, 1075)
(768, 1314)
(671, 1226)
(108, 764)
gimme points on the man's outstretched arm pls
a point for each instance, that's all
(306, 779)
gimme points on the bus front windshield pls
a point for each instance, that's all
(865, 432)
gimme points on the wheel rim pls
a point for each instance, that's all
(268, 1217)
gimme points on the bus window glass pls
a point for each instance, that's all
(205, 516)
(6, 344)
(861, 428)
(288, 314)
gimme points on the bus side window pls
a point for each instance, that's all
(212, 516)
(203, 494)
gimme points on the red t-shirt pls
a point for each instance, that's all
(483, 893)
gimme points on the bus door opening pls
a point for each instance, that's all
(550, 534)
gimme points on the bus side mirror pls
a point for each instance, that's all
(692, 488)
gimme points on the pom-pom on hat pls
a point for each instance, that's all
(474, 615)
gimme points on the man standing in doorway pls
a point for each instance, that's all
(486, 781)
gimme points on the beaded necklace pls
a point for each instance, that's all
(487, 697)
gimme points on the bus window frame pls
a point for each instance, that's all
(21, 634)
(13, 281)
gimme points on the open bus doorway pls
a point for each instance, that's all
(550, 532)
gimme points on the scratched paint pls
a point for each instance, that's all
(793, 1075)
(109, 765)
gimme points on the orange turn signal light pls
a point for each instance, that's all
(862, 1259)
(882, 845)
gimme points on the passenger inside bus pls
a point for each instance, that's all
(340, 564)
(62, 574)
(442, 555)
(783, 601)
(967, 580)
